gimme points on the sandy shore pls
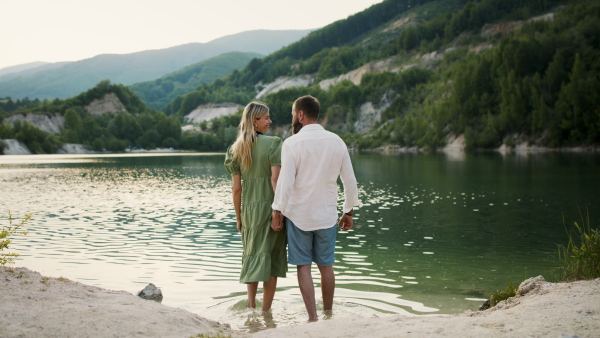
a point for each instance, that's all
(32, 305)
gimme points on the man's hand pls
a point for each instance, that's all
(346, 222)
(276, 220)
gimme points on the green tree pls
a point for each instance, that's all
(191, 101)
(126, 127)
(150, 139)
(168, 127)
(74, 126)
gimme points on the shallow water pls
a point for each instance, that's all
(434, 233)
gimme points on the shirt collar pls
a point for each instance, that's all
(312, 126)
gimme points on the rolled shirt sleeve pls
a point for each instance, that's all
(349, 182)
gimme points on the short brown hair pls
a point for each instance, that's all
(309, 105)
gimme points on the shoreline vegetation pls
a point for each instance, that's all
(37, 305)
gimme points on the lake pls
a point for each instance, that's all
(435, 232)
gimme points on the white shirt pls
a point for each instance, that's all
(307, 190)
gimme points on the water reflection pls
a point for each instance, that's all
(432, 235)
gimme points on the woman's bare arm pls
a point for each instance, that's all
(277, 220)
(275, 176)
(236, 191)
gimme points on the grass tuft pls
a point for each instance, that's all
(503, 294)
(580, 258)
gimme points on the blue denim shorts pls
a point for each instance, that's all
(305, 247)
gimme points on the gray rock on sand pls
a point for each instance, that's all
(530, 284)
(151, 292)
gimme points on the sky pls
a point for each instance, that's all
(71, 30)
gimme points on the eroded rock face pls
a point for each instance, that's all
(208, 112)
(110, 103)
(72, 148)
(151, 292)
(286, 82)
(52, 123)
(356, 75)
(15, 147)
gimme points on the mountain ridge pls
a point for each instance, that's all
(63, 80)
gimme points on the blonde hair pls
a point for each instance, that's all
(241, 150)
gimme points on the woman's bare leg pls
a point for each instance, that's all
(252, 289)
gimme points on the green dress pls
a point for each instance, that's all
(265, 252)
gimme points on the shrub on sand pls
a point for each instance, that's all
(5, 233)
(580, 258)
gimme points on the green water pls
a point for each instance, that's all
(435, 233)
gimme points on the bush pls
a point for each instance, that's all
(5, 233)
(503, 294)
(170, 143)
(580, 259)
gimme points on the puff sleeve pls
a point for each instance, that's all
(233, 167)
(275, 152)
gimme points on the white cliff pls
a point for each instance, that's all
(285, 83)
(109, 103)
(15, 147)
(51, 123)
(208, 112)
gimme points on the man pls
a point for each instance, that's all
(306, 194)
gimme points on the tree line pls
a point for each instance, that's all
(139, 126)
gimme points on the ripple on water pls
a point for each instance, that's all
(124, 223)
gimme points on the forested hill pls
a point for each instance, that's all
(107, 117)
(158, 93)
(418, 73)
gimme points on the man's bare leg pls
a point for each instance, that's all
(307, 288)
(269, 293)
(327, 286)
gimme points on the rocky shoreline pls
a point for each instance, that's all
(34, 306)
(15, 147)
(455, 149)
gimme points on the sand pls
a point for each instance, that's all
(32, 305)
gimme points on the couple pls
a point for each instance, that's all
(297, 182)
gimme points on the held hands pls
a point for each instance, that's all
(346, 222)
(276, 220)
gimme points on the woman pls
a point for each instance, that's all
(254, 162)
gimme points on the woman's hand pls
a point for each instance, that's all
(239, 226)
(276, 220)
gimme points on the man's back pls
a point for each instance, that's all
(312, 160)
